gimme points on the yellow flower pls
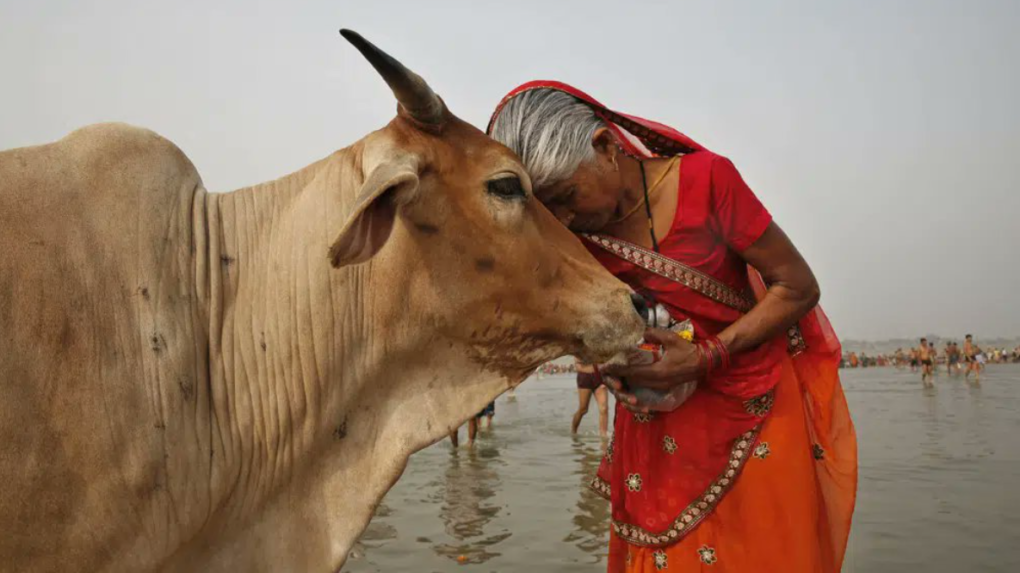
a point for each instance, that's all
(687, 335)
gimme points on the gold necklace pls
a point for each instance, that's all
(651, 190)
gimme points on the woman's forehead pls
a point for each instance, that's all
(553, 190)
(549, 192)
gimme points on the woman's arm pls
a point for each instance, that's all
(792, 292)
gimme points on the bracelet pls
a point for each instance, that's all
(713, 354)
(706, 356)
(704, 361)
(724, 353)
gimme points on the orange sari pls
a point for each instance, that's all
(757, 471)
(790, 506)
(788, 511)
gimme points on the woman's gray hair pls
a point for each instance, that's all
(550, 130)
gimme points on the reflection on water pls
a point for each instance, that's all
(939, 469)
(591, 520)
(471, 480)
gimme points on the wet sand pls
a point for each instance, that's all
(939, 478)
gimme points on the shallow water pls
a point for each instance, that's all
(939, 471)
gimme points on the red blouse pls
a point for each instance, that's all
(717, 217)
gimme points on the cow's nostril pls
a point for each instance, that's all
(641, 306)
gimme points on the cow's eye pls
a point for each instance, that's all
(506, 188)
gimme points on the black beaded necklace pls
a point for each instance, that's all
(648, 208)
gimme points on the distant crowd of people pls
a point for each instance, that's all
(956, 359)
(551, 368)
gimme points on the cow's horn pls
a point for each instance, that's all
(414, 95)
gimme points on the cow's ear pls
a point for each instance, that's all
(369, 224)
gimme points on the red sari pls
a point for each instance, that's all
(757, 471)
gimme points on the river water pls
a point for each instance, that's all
(938, 491)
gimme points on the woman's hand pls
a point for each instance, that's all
(680, 363)
(662, 402)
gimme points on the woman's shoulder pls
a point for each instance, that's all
(708, 160)
(704, 163)
(708, 170)
(701, 156)
(696, 171)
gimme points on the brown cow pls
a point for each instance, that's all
(231, 382)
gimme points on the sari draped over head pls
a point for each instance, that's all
(764, 442)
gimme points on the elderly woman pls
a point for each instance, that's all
(756, 469)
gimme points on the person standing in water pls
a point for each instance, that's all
(924, 355)
(952, 358)
(587, 385)
(473, 424)
(970, 355)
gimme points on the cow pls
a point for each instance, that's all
(195, 381)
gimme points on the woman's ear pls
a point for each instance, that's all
(604, 143)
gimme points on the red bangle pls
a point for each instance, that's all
(724, 353)
(704, 361)
(707, 355)
(714, 353)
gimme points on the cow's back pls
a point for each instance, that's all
(103, 354)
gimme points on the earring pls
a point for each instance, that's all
(615, 166)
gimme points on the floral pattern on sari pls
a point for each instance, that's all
(760, 406)
(668, 445)
(693, 513)
(795, 343)
(707, 555)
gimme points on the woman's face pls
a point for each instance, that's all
(590, 198)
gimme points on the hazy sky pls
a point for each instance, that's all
(883, 135)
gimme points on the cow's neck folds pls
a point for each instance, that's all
(272, 335)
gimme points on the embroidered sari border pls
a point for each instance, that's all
(671, 269)
(698, 509)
